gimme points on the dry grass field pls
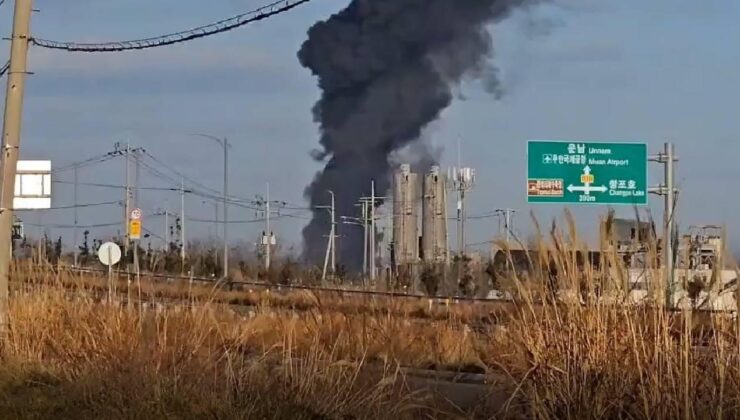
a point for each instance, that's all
(70, 355)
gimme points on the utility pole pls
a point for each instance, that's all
(137, 170)
(268, 238)
(669, 219)
(333, 235)
(76, 237)
(507, 215)
(460, 202)
(135, 243)
(370, 217)
(12, 121)
(668, 190)
(373, 237)
(463, 180)
(331, 241)
(226, 208)
(166, 236)
(127, 201)
(268, 233)
(182, 223)
(366, 236)
(461, 215)
(225, 144)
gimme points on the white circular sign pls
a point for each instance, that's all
(109, 253)
(136, 214)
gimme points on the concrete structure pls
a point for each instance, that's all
(405, 216)
(434, 245)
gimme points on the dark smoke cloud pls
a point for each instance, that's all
(386, 69)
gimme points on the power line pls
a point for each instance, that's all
(99, 185)
(99, 225)
(208, 192)
(180, 175)
(4, 69)
(105, 203)
(225, 25)
(257, 220)
(88, 162)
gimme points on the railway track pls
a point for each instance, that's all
(287, 287)
(341, 292)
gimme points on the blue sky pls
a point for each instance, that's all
(573, 69)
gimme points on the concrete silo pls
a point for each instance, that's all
(405, 216)
(434, 218)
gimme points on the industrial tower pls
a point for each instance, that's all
(434, 245)
(405, 217)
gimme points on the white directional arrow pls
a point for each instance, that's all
(587, 189)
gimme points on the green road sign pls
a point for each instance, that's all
(587, 173)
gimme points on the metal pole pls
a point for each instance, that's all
(267, 230)
(166, 231)
(137, 170)
(326, 261)
(507, 219)
(12, 121)
(669, 222)
(226, 207)
(182, 224)
(462, 222)
(507, 224)
(136, 268)
(364, 228)
(127, 205)
(110, 276)
(333, 235)
(372, 231)
(447, 229)
(76, 233)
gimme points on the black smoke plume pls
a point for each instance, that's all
(386, 69)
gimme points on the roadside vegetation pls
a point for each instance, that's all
(558, 350)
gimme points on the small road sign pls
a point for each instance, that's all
(136, 214)
(587, 173)
(135, 230)
(32, 185)
(109, 254)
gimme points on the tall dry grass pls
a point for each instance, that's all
(571, 346)
(83, 359)
(607, 357)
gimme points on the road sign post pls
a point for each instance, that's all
(109, 254)
(587, 172)
(608, 174)
(669, 191)
(135, 236)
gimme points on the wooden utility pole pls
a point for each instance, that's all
(12, 121)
